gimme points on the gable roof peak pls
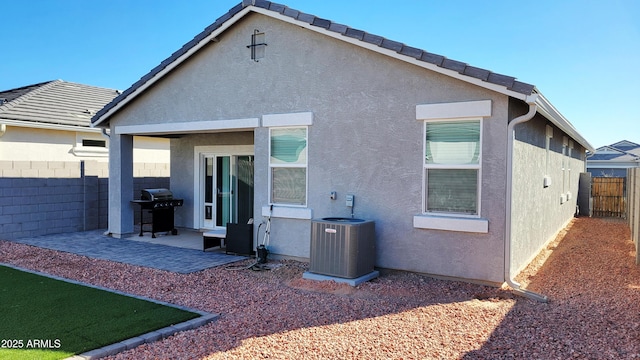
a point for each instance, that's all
(625, 144)
(439, 63)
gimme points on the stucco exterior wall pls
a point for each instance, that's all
(365, 139)
(540, 212)
(183, 171)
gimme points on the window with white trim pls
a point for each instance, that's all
(288, 165)
(452, 164)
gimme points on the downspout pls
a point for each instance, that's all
(531, 100)
(108, 136)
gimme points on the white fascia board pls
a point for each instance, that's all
(603, 164)
(290, 119)
(546, 109)
(188, 127)
(452, 73)
(454, 110)
(173, 65)
(48, 126)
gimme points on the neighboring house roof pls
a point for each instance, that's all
(627, 146)
(620, 152)
(53, 104)
(507, 85)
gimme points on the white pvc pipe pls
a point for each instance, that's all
(531, 100)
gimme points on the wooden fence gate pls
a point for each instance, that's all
(609, 197)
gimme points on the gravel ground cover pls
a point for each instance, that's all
(588, 273)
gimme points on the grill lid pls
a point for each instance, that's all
(156, 194)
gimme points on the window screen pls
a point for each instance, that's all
(288, 163)
(452, 165)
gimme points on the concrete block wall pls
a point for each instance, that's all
(34, 206)
(73, 201)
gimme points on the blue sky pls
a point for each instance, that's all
(583, 55)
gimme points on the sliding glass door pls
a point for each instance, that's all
(228, 190)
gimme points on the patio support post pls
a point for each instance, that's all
(120, 185)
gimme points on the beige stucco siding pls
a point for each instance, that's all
(35, 144)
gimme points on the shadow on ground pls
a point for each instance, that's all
(594, 310)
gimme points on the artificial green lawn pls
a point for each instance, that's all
(52, 319)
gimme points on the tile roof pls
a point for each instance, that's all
(620, 151)
(9, 95)
(57, 103)
(627, 146)
(487, 76)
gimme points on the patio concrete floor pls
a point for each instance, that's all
(180, 253)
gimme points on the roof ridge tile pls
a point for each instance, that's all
(279, 8)
(411, 51)
(354, 33)
(372, 39)
(391, 45)
(323, 23)
(477, 72)
(434, 59)
(262, 4)
(339, 28)
(308, 18)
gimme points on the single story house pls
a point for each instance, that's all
(614, 160)
(45, 125)
(274, 112)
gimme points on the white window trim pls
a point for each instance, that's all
(450, 111)
(90, 151)
(287, 212)
(459, 111)
(288, 120)
(299, 119)
(450, 223)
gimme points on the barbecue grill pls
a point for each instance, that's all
(160, 204)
